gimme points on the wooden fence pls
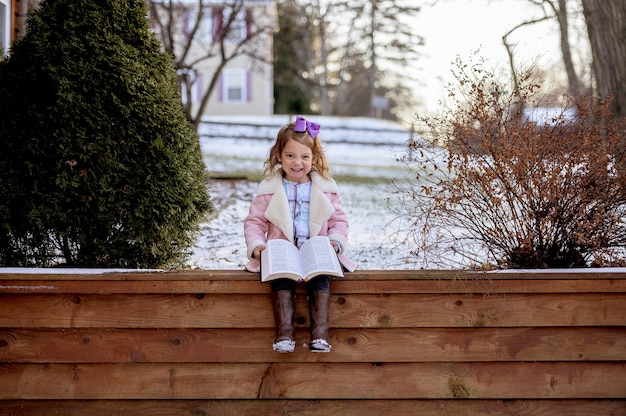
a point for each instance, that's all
(404, 343)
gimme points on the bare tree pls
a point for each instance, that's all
(606, 26)
(318, 38)
(323, 52)
(550, 9)
(196, 32)
(352, 45)
(506, 194)
(391, 41)
(294, 89)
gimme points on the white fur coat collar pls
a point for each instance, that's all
(278, 208)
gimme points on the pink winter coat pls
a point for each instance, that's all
(269, 217)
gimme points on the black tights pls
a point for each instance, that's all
(319, 283)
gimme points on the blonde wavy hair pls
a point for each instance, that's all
(286, 133)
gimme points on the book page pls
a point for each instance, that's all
(318, 257)
(280, 256)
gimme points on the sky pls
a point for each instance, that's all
(454, 28)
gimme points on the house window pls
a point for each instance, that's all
(4, 27)
(238, 27)
(234, 86)
(204, 32)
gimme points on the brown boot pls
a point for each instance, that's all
(319, 310)
(283, 304)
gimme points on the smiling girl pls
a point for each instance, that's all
(297, 200)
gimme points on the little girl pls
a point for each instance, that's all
(297, 200)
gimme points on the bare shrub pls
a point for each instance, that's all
(493, 189)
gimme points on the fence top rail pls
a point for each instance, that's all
(74, 281)
(69, 274)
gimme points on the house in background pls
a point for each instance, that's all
(245, 83)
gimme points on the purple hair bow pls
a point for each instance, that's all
(302, 124)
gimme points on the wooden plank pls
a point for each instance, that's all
(477, 311)
(478, 287)
(133, 286)
(349, 345)
(388, 275)
(230, 275)
(69, 274)
(469, 275)
(130, 381)
(340, 286)
(136, 311)
(313, 407)
(354, 311)
(314, 381)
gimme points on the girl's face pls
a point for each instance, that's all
(297, 161)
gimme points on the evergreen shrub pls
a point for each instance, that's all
(99, 166)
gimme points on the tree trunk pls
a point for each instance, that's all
(606, 26)
(324, 99)
(373, 69)
(572, 77)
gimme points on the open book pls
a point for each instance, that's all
(282, 259)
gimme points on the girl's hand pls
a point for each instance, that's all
(257, 252)
(335, 246)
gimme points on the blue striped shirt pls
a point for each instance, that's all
(299, 198)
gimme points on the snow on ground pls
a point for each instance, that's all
(371, 245)
(360, 148)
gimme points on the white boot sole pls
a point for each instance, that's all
(284, 346)
(319, 345)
